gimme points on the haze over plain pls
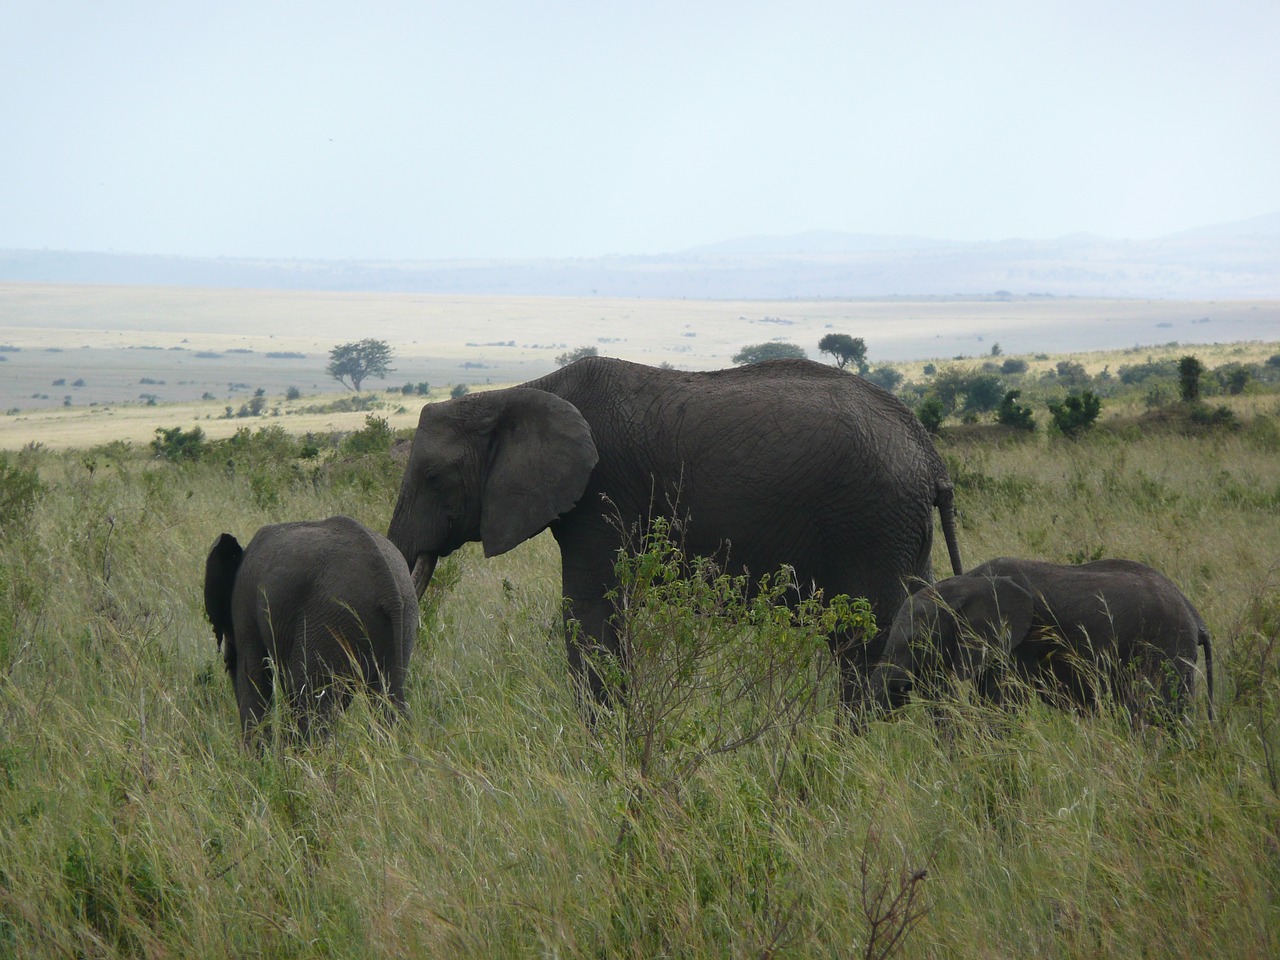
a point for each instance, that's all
(506, 130)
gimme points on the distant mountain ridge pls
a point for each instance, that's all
(1238, 260)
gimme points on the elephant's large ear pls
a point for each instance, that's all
(998, 610)
(219, 578)
(540, 460)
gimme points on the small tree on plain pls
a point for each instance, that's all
(773, 350)
(983, 393)
(886, 377)
(577, 353)
(1189, 370)
(1014, 414)
(1076, 413)
(949, 385)
(845, 350)
(931, 413)
(359, 361)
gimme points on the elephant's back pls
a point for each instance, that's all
(1137, 601)
(812, 405)
(336, 561)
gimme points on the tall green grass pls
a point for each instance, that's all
(493, 821)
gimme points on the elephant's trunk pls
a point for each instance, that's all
(890, 687)
(423, 568)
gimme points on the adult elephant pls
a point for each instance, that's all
(324, 604)
(1070, 632)
(786, 461)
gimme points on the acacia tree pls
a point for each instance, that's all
(845, 349)
(577, 353)
(359, 361)
(773, 350)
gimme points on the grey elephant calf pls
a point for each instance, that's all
(1064, 629)
(322, 603)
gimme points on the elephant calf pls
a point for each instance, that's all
(1062, 629)
(315, 602)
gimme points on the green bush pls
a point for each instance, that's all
(20, 489)
(375, 437)
(174, 443)
(886, 377)
(931, 413)
(1076, 413)
(983, 393)
(1189, 370)
(713, 662)
(1014, 414)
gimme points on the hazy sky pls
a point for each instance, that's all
(475, 128)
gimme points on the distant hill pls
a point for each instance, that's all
(1239, 260)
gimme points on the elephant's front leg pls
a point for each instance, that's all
(595, 654)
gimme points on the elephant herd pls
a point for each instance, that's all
(786, 462)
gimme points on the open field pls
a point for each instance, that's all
(112, 337)
(85, 361)
(494, 822)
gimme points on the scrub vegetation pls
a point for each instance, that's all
(730, 812)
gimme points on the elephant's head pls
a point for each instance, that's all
(219, 579)
(956, 627)
(497, 466)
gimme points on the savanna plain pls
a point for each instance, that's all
(709, 817)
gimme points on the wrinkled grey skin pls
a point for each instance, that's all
(320, 601)
(787, 461)
(1062, 628)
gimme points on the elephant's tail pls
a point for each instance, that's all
(1207, 642)
(945, 500)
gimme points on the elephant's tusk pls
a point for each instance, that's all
(423, 568)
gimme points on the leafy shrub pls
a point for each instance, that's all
(1189, 370)
(983, 393)
(949, 386)
(459, 390)
(577, 353)
(351, 404)
(271, 444)
(1138, 372)
(375, 437)
(174, 443)
(929, 369)
(293, 393)
(1071, 374)
(20, 488)
(1203, 415)
(931, 413)
(1014, 414)
(1234, 377)
(1076, 413)
(886, 377)
(712, 662)
(773, 350)
(1013, 365)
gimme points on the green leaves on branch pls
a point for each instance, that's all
(710, 661)
(1076, 413)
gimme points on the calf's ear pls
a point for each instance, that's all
(997, 612)
(220, 570)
